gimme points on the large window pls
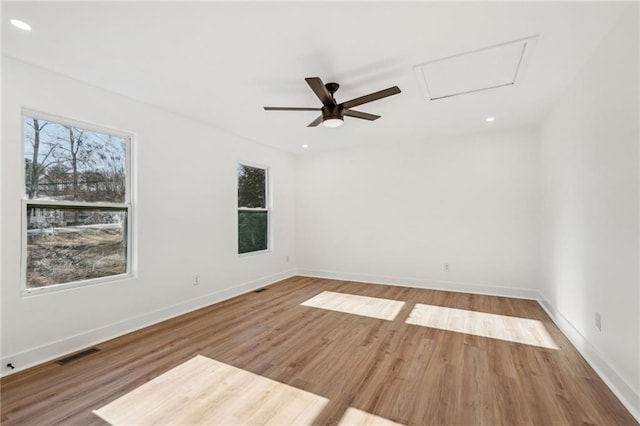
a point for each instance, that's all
(77, 207)
(253, 211)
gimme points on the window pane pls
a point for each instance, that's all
(251, 187)
(64, 162)
(66, 244)
(252, 230)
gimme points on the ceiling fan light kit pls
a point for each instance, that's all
(332, 122)
(332, 117)
(332, 113)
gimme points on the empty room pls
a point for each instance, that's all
(320, 213)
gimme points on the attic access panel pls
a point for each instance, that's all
(482, 69)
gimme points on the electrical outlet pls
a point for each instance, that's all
(287, 259)
(598, 321)
(447, 267)
(196, 279)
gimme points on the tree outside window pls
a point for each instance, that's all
(253, 212)
(77, 203)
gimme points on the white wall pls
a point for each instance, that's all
(185, 220)
(397, 213)
(590, 210)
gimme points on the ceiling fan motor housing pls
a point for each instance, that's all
(329, 112)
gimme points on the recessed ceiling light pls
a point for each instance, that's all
(489, 119)
(305, 146)
(20, 24)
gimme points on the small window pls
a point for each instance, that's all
(77, 206)
(253, 211)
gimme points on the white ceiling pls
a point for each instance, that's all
(221, 62)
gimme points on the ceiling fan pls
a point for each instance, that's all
(332, 112)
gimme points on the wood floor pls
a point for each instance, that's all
(406, 373)
(206, 391)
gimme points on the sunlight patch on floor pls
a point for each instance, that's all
(205, 391)
(373, 307)
(502, 327)
(355, 417)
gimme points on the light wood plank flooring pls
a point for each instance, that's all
(206, 391)
(405, 373)
(374, 307)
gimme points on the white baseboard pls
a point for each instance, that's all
(55, 350)
(459, 287)
(629, 396)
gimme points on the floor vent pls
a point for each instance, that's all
(76, 356)
(260, 290)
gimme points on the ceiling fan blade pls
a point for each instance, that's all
(290, 109)
(358, 114)
(315, 122)
(371, 97)
(321, 91)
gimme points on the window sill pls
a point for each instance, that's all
(254, 253)
(54, 288)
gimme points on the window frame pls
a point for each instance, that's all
(268, 207)
(127, 204)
